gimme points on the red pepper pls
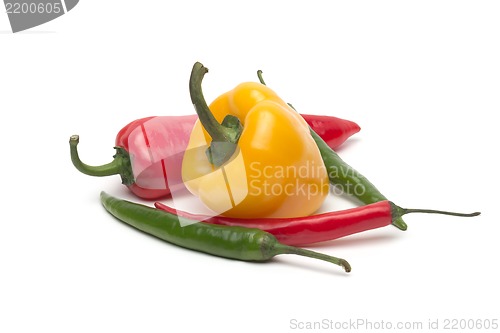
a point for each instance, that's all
(334, 131)
(149, 151)
(317, 228)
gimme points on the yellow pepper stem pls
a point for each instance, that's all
(224, 136)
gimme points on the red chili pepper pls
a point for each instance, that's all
(317, 228)
(149, 151)
(335, 131)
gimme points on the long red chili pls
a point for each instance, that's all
(317, 228)
(149, 151)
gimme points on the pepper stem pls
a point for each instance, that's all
(261, 79)
(286, 249)
(224, 136)
(397, 212)
(119, 166)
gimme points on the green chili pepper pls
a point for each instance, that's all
(224, 241)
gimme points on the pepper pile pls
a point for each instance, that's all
(263, 169)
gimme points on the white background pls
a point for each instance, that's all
(422, 78)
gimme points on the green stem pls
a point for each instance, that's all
(433, 211)
(211, 125)
(397, 212)
(119, 166)
(286, 249)
(224, 136)
(261, 79)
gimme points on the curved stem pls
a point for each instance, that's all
(397, 212)
(119, 166)
(224, 136)
(112, 168)
(286, 249)
(261, 79)
(433, 211)
(211, 125)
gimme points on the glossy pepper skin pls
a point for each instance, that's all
(308, 229)
(334, 131)
(164, 138)
(229, 242)
(317, 228)
(148, 155)
(276, 170)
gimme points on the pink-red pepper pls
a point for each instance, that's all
(316, 228)
(149, 151)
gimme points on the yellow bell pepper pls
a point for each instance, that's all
(250, 155)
